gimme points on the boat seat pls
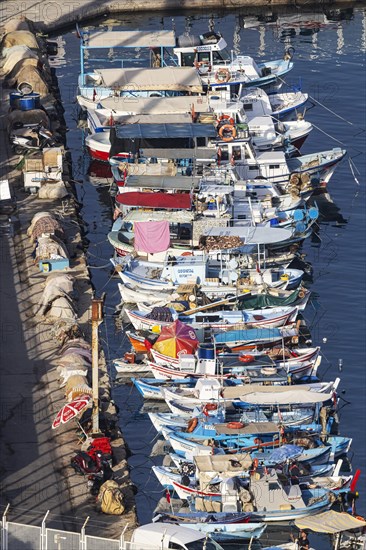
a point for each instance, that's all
(294, 492)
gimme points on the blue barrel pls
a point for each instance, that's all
(206, 351)
(30, 101)
(273, 222)
(14, 98)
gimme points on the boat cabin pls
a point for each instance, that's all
(180, 143)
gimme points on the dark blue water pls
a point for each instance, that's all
(330, 63)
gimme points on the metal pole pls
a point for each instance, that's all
(44, 533)
(97, 318)
(4, 535)
(82, 533)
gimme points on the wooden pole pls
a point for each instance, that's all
(97, 318)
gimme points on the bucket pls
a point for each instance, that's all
(206, 351)
(30, 101)
(25, 88)
(14, 99)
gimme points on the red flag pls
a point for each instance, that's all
(258, 268)
(167, 496)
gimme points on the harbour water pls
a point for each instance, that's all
(330, 66)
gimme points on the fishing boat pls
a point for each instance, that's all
(220, 320)
(216, 67)
(263, 497)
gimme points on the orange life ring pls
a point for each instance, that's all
(235, 425)
(225, 129)
(192, 424)
(222, 75)
(209, 407)
(226, 117)
(246, 358)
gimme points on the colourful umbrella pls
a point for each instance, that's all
(176, 339)
(71, 410)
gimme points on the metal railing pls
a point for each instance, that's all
(19, 536)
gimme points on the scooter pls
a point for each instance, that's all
(31, 139)
(95, 465)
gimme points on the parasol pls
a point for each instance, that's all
(71, 410)
(176, 339)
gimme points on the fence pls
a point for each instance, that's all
(19, 536)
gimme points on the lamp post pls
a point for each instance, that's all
(97, 318)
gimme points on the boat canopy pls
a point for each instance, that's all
(259, 301)
(291, 397)
(252, 335)
(251, 235)
(181, 201)
(330, 522)
(222, 463)
(182, 183)
(165, 131)
(175, 79)
(130, 39)
(180, 216)
(154, 105)
(253, 428)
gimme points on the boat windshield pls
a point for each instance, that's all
(221, 56)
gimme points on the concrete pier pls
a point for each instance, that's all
(51, 15)
(35, 471)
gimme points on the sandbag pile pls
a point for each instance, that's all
(57, 298)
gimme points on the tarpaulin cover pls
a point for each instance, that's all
(330, 522)
(248, 301)
(284, 453)
(152, 237)
(174, 201)
(176, 339)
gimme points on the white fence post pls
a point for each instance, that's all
(82, 535)
(4, 527)
(122, 538)
(44, 532)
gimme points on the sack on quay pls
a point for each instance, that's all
(110, 499)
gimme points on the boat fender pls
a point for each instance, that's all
(246, 358)
(235, 425)
(192, 425)
(255, 465)
(227, 129)
(289, 53)
(222, 75)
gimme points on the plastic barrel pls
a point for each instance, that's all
(14, 99)
(206, 351)
(30, 101)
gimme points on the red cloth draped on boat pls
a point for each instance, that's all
(152, 237)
